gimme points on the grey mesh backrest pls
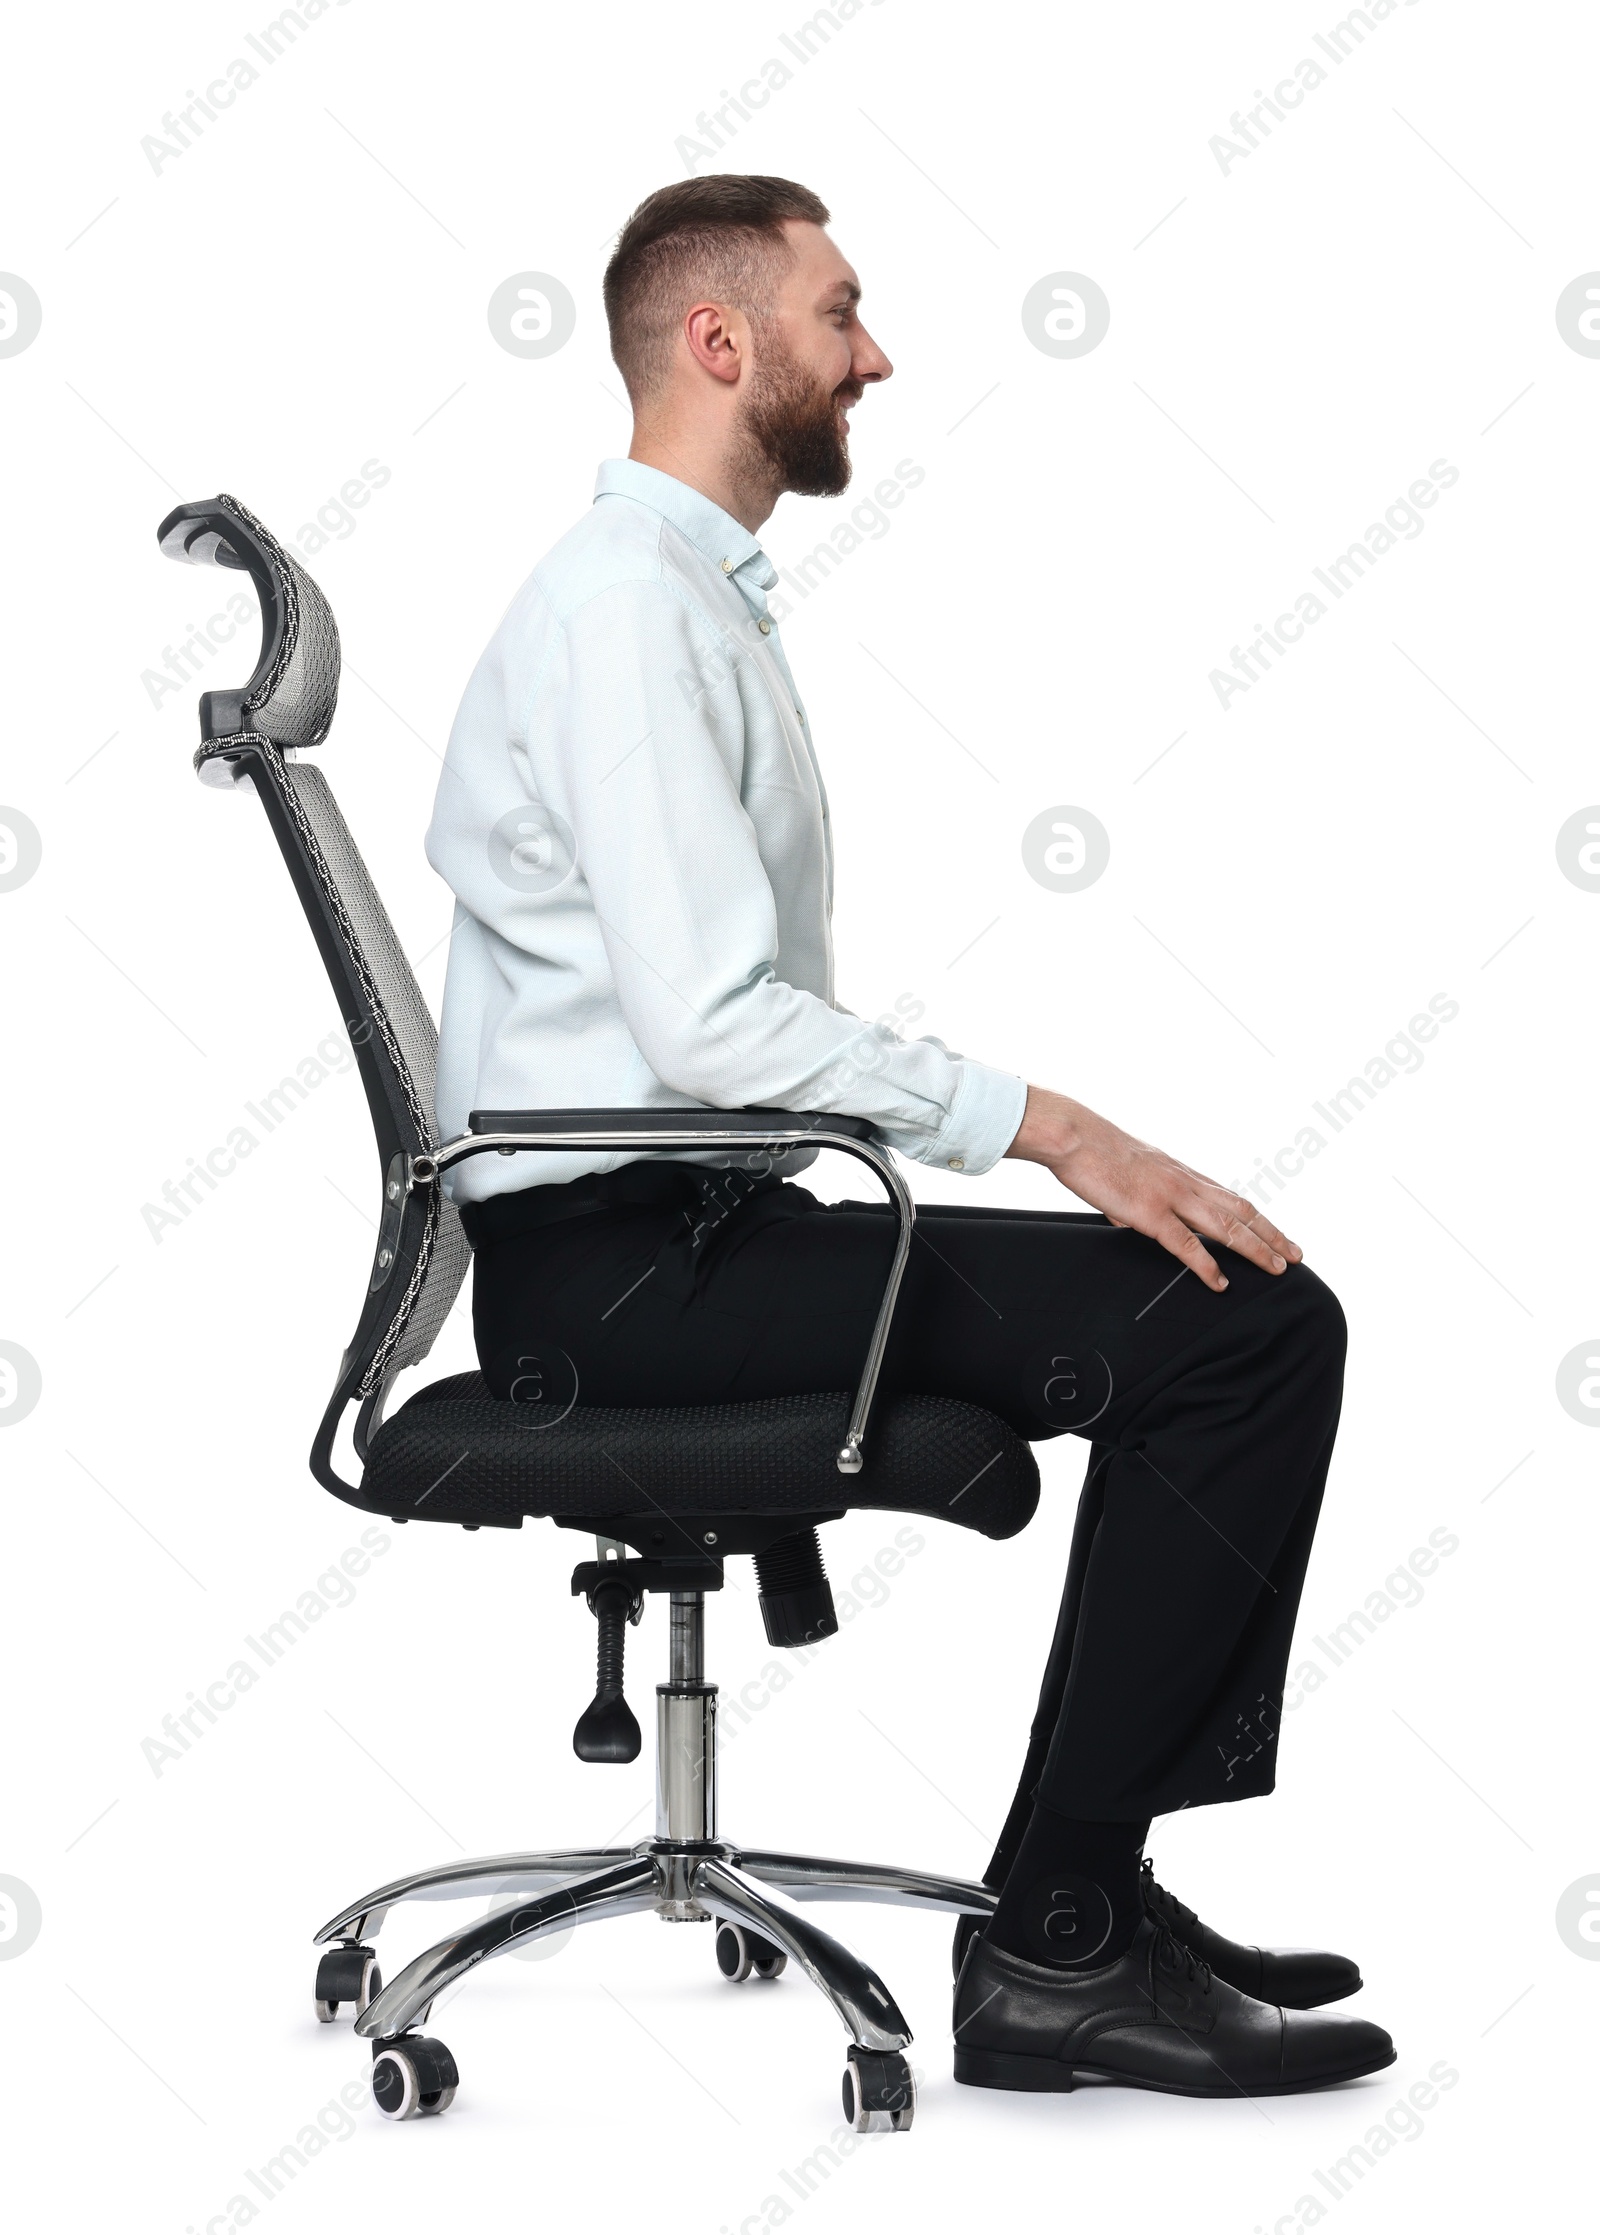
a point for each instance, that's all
(396, 1043)
(251, 735)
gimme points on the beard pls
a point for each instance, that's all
(792, 427)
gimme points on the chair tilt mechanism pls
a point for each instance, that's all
(669, 1493)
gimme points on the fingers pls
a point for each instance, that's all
(1264, 1227)
(1236, 1208)
(1185, 1244)
(1174, 1205)
(1255, 1222)
(1231, 1219)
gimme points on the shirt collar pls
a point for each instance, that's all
(713, 532)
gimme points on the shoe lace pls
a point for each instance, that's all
(1178, 1918)
(1176, 1955)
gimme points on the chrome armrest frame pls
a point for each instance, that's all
(426, 1171)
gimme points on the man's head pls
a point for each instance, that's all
(734, 325)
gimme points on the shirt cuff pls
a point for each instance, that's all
(984, 1120)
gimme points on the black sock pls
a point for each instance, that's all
(1072, 1897)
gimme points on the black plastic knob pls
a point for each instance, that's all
(607, 1731)
(796, 1600)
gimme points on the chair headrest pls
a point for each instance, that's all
(292, 693)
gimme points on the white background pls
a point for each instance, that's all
(1292, 343)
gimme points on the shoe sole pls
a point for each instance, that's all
(1002, 2068)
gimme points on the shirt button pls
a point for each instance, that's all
(727, 566)
(765, 627)
(958, 1163)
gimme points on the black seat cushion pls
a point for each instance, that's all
(454, 1453)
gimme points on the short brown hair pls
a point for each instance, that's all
(718, 235)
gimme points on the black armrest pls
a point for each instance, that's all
(760, 1123)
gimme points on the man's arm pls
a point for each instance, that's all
(1142, 1187)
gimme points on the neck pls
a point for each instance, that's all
(706, 465)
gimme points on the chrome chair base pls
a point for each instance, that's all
(535, 1896)
(686, 1874)
(683, 1882)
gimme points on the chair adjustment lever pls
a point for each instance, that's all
(607, 1730)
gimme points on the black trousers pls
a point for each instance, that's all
(1210, 1420)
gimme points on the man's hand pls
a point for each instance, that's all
(1142, 1187)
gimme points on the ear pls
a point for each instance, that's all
(717, 340)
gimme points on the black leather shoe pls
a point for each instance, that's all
(1156, 2017)
(1294, 1978)
(967, 1930)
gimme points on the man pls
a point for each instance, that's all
(633, 819)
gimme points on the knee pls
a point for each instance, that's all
(1318, 1316)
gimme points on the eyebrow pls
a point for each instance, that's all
(850, 294)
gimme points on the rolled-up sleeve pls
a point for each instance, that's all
(635, 721)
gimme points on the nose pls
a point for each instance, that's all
(868, 362)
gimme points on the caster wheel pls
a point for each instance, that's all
(414, 2077)
(739, 1952)
(880, 2094)
(967, 1930)
(346, 1975)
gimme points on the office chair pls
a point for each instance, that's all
(668, 1493)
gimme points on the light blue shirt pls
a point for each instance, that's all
(633, 821)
